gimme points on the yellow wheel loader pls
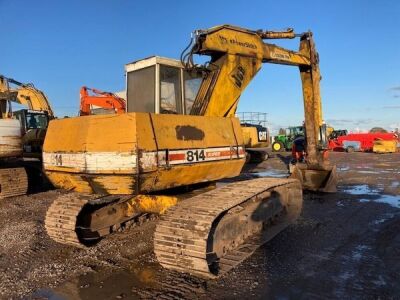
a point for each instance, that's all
(180, 132)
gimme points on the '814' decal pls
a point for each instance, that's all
(195, 155)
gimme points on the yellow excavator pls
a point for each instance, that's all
(22, 133)
(180, 133)
(255, 135)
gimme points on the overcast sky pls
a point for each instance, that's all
(62, 45)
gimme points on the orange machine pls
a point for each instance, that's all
(104, 100)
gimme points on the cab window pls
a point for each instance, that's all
(36, 121)
(141, 90)
(170, 90)
(192, 83)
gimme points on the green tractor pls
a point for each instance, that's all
(284, 140)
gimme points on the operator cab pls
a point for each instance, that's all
(295, 131)
(34, 125)
(160, 85)
(32, 119)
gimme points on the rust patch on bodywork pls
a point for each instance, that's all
(186, 133)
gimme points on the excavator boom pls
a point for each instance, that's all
(26, 94)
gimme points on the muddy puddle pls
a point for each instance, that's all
(365, 169)
(120, 284)
(271, 173)
(373, 194)
(343, 169)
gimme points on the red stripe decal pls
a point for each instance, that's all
(176, 156)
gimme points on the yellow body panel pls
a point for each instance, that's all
(183, 131)
(227, 87)
(187, 175)
(382, 146)
(92, 133)
(156, 204)
(140, 152)
(250, 138)
(102, 184)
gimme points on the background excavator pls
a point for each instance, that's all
(22, 134)
(180, 132)
(94, 101)
(255, 135)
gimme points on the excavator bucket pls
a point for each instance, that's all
(313, 179)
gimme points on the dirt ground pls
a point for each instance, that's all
(345, 245)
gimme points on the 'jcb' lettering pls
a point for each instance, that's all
(238, 76)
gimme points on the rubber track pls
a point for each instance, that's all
(13, 182)
(180, 239)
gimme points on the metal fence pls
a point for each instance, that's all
(253, 118)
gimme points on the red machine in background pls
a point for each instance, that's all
(101, 101)
(359, 141)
